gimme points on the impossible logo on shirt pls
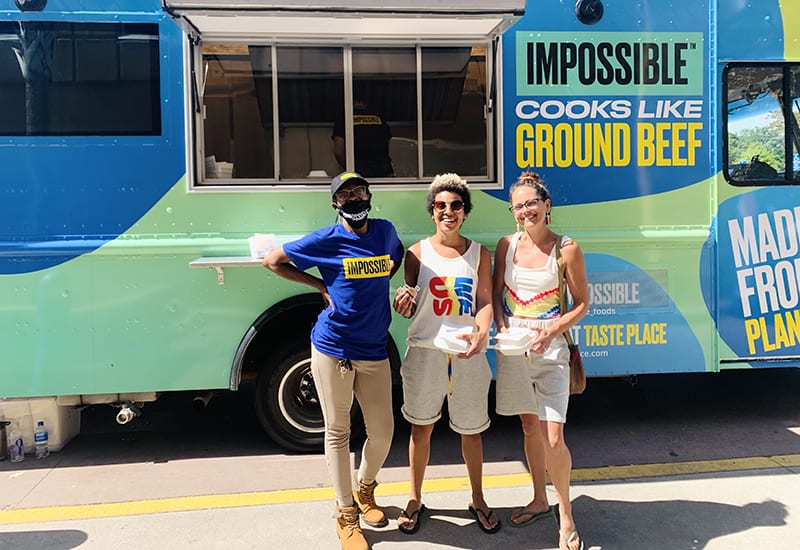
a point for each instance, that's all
(367, 268)
(367, 120)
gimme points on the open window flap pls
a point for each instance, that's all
(356, 19)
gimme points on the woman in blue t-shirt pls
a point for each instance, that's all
(356, 259)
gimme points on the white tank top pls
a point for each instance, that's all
(447, 292)
(531, 292)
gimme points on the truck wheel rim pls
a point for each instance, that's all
(297, 399)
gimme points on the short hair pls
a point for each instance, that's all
(449, 182)
(532, 180)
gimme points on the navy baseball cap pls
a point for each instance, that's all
(346, 177)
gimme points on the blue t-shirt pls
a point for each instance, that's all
(356, 270)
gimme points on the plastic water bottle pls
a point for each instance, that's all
(16, 448)
(40, 440)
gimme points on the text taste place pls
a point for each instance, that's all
(629, 334)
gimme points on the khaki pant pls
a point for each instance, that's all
(371, 383)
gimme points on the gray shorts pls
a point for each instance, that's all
(535, 384)
(425, 387)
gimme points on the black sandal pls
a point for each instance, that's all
(479, 514)
(416, 517)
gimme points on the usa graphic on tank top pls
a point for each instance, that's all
(452, 296)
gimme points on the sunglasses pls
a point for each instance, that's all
(360, 192)
(455, 206)
(530, 203)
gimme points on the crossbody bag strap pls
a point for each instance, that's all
(562, 285)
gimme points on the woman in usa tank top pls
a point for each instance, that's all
(448, 280)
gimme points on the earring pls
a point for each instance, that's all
(547, 218)
(517, 231)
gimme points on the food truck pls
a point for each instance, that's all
(152, 151)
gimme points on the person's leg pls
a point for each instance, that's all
(533, 442)
(424, 373)
(373, 389)
(468, 405)
(554, 401)
(335, 392)
(472, 451)
(559, 466)
(552, 388)
(516, 395)
(419, 452)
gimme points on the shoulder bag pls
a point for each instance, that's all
(577, 376)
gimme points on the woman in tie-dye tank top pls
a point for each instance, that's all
(535, 385)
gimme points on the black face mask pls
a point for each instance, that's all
(355, 212)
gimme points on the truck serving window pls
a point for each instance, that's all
(60, 79)
(762, 136)
(280, 112)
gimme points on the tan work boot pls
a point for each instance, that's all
(349, 529)
(365, 500)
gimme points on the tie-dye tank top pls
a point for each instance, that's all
(448, 287)
(531, 293)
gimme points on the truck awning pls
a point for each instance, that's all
(354, 19)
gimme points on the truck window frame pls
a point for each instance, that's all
(739, 80)
(199, 180)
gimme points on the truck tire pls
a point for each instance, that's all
(287, 406)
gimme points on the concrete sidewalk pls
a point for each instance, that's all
(741, 509)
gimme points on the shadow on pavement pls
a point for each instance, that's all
(609, 524)
(55, 540)
(670, 524)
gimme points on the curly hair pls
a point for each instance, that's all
(532, 180)
(449, 182)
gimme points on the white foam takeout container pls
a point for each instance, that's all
(447, 338)
(516, 341)
(516, 336)
(261, 244)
